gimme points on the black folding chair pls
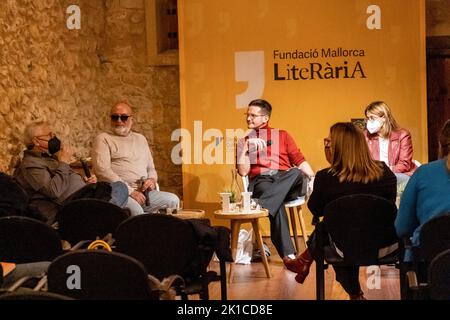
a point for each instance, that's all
(359, 225)
(99, 275)
(439, 277)
(24, 240)
(167, 245)
(434, 239)
(33, 295)
(88, 219)
(13, 199)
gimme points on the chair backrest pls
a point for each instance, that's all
(166, 245)
(434, 237)
(439, 276)
(99, 275)
(24, 240)
(33, 295)
(86, 219)
(13, 199)
(360, 225)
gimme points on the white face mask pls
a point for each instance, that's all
(373, 126)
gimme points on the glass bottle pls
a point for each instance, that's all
(235, 189)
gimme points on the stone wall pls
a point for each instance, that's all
(71, 78)
(153, 92)
(47, 73)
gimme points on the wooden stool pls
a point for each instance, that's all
(294, 208)
(238, 218)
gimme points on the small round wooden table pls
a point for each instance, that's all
(238, 218)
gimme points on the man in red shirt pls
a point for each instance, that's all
(277, 171)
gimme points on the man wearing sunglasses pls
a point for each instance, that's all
(124, 155)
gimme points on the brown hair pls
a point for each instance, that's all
(350, 157)
(263, 104)
(444, 142)
(381, 109)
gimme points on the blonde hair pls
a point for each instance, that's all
(381, 109)
(444, 143)
(30, 133)
(350, 157)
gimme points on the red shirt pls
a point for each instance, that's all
(281, 152)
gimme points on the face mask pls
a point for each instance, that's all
(54, 145)
(373, 126)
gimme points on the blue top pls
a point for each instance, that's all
(426, 196)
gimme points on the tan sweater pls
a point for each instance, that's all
(126, 159)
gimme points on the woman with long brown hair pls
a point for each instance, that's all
(427, 194)
(352, 171)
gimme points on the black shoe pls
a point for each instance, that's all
(256, 256)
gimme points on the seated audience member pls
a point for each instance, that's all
(427, 194)
(388, 142)
(352, 171)
(45, 175)
(124, 155)
(277, 172)
(14, 201)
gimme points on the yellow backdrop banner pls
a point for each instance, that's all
(316, 62)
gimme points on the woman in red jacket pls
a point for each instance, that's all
(388, 142)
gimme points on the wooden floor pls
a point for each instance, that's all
(250, 283)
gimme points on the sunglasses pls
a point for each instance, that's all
(122, 117)
(253, 116)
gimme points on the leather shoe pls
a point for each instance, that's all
(299, 265)
(293, 265)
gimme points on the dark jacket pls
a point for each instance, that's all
(328, 188)
(47, 181)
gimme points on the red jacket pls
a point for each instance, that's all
(400, 150)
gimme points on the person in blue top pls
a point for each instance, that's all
(427, 194)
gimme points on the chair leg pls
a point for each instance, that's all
(302, 226)
(235, 228)
(255, 224)
(223, 280)
(403, 281)
(320, 280)
(294, 229)
(205, 290)
(320, 260)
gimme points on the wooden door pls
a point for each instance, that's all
(438, 90)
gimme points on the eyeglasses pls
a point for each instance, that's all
(122, 117)
(327, 143)
(49, 136)
(253, 116)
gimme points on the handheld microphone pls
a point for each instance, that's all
(85, 166)
(147, 199)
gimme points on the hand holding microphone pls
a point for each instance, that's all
(145, 189)
(255, 144)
